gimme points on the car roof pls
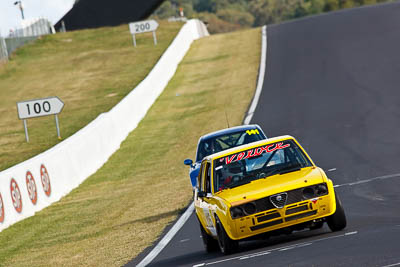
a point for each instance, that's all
(243, 147)
(230, 130)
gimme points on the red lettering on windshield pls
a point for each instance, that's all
(240, 156)
(268, 148)
(280, 146)
(229, 160)
(250, 154)
(255, 152)
(258, 151)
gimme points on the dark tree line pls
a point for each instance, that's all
(228, 15)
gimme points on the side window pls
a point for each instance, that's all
(200, 177)
(207, 173)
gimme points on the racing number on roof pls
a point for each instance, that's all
(250, 132)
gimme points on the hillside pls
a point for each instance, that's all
(89, 70)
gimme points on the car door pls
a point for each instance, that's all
(207, 201)
(198, 201)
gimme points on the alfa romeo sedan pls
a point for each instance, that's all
(260, 189)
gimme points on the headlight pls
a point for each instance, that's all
(308, 192)
(250, 208)
(321, 189)
(236, 212)
(315, 191)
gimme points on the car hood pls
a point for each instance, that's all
(272, 185)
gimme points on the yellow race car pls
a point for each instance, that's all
(260, 189)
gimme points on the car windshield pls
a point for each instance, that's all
(258, 163)
(226, 141)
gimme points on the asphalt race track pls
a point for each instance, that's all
(333, 82)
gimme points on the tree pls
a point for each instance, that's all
(233, 14)
(165, 10)
(331, 5)
(237, 17)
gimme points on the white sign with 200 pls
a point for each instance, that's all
(143, 26)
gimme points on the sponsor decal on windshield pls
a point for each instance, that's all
(253, 152)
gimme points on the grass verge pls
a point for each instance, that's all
(90, 70)
(124, 207)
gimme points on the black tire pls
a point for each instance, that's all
(226, 244)
(337, 221)
(210, 244)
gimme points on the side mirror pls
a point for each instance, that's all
(201, 194)
(188, 162)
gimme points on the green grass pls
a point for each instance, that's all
(123, 208)
(90, 70)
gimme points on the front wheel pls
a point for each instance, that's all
(226, 244)
(210, 244)
(337, 221)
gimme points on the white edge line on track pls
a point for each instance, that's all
(394, 264)
(182, 220)
(261, 75)
(395, 175)
(165, 240)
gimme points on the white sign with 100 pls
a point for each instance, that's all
(38, 108)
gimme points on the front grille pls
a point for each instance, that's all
(302, 215)
(268, 217)
(264, 225)
(263, 204)
(297, 209)
(295, 196)
(272, 202)
(279, 200)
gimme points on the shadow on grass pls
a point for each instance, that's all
(153, 218)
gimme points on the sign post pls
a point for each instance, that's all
(38, 108)
(143, 26)
(26, 131)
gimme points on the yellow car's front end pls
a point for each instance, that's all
(267, 187)
(278, 202)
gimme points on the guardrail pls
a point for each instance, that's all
(36, 183)
(24, 35)
(3, 50)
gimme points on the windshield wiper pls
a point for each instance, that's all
(290, 168)
(286, 169)
(239, 184)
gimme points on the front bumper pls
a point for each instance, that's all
(287, 216)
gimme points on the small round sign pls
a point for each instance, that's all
(1, 209)
(31, 187)
(44, 175)
(16, 195)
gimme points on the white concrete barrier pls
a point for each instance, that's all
(36, 183)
